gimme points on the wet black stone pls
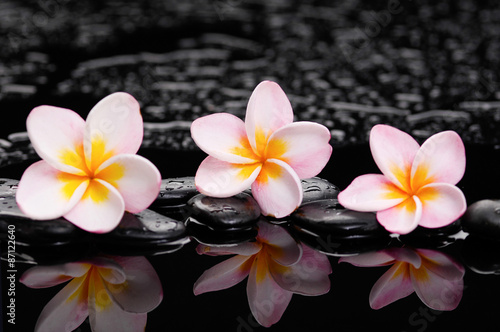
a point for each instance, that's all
(208, 236)
(145, 228)
(329, 217)
(232, 213)
(176, 191)
(482, 218)
(316, 189)
(432, 237)
(480, 255)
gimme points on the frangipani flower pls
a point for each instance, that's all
(116, 293)
(417, 186)
(276, 267)
(267, 152)
(89, 173)
(436, 277)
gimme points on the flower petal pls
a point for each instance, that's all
(67, 310)
(393, 151)
(224, 275)
(371, 192)
(57, 136)
(281, 246)
(277, 189)
(302, 145)
(267, 300)
(393, 285)
(440, 159)
(442, 204)
(245, 249)
(114, 126)
(223, 136)
(46, 193)
(142, 291)
(268, 109)
(308, 277)
(105, 314)
(218, 178)
(436, 292)
(137, 180)
(100, 209)
(403, 218)
(48, 276)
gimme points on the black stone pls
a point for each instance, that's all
(232, 213)
(432, 237)
(144, 229)
(208, 236)
(328, 216)
(482, 218)
(176, 191)
(316, 189)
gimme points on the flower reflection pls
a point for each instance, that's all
(90, 173)
(268, 152)
(436, 277)
(115, 292)
(276, 265)
(417, 186)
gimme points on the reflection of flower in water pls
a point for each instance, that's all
(436, 277)
(276, 266)
(115, 292)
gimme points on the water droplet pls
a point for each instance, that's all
(312, 188)
(172, 185)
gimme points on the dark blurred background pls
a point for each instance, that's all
(423, 66)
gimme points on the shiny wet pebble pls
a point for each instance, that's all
(432, 237)
(482, 218)
(176, 191)
(328, 216)
(316, 189)
(231, 213)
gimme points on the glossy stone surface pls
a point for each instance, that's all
(145, 227)
(231, 213)
(176, 191)
(316, 189)
(328, 216)
(208, 236)
(432, 237)
(482, 218)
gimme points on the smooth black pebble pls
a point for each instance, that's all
(482, 218)
(231, 213)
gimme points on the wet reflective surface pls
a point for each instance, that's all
(417, 65)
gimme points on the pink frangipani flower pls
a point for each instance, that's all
(417, 184)
(89, 172)
(268, 152)
(436, 277)
(276, 265)
(116, 293)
